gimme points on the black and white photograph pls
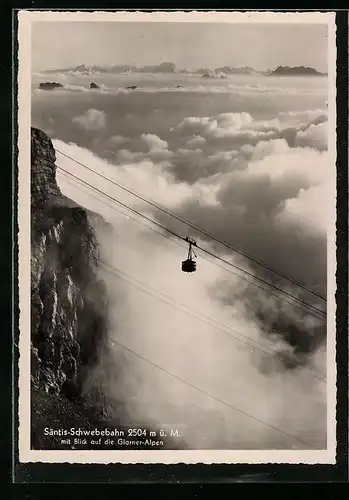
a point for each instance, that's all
(177, 256)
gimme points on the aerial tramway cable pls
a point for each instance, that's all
(269, 351)
(315, 310)
(319, 375)
(82, 182)
(172, 375)
(196, 228)
(211, 396)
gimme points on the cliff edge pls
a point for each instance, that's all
(68, 301)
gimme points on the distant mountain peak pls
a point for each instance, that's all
(295, 70)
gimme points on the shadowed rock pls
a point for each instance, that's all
(69, 306)
(50, 85)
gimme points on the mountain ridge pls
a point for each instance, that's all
(165, 68)
(170, 68)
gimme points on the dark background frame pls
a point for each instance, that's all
(139, 473)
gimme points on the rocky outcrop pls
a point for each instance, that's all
(50, 85)
(297, 70)
(94, 85)
(68, 302)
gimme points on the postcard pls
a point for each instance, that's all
(177, 251)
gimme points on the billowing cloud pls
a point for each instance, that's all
(275, 208)
(118, 140)
(311, 207)
(193, 165)
(153, 141)
(196, 140)
(314, 137)
(126, 156)
(273, 189)
(241, 132)
(92, 120)
(302, 117)
(265, 185)
(252, 199)
(201, 147)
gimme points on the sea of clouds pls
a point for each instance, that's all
(251, 166)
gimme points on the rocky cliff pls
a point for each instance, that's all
(69, 302)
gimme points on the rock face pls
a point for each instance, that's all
(50, 86)
(94, 85)
(68, 302)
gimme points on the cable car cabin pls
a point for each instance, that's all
(188, 266)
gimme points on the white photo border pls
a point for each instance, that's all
(26, 454)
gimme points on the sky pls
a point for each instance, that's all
(58, 45)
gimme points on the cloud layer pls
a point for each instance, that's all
(92, 120)
(259, 185)
(261, 181)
